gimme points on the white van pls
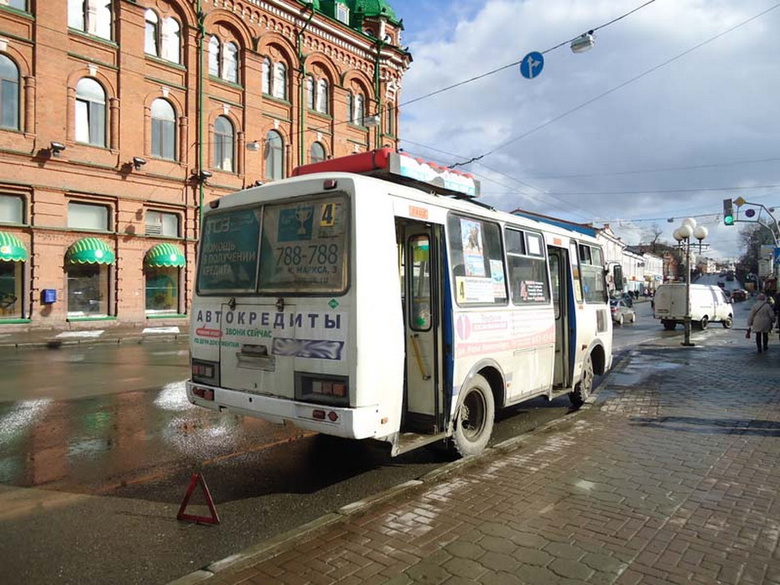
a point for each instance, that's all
(708, 303)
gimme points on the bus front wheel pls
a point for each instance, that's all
(474, 418)
(585, 386)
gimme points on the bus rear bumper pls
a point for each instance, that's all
(350, 423)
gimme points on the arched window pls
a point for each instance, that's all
(9, 94)
(280, 81)
(310, 92)
(91, 16)
(322, 96)
(274, 156)
(350, 107)
(90, 112)
(267, 76)
(152, 33)
(230, 62)
(170, 43)
(214, 56)
(224, 144)
(359, 113)
(163, 129)
(317, 153)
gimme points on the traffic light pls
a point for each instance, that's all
(728, 212)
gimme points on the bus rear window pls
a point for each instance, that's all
(228, 256)
(304, 246)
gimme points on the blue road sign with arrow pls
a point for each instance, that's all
(531, 65)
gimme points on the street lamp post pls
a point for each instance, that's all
(683, 236)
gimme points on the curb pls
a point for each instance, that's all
(274, 545)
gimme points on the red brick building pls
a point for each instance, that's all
(119, 119)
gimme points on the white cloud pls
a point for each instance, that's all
(664, 145)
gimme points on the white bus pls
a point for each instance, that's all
(372, 297)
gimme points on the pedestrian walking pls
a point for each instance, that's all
(760, 321)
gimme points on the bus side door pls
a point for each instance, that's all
(419, 254)
(559, 275)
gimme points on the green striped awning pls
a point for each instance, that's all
(12, 249)
(90, 251)
(165, 255)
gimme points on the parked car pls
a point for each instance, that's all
(621, 311)
(739, 294)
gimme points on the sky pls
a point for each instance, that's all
(675, 108)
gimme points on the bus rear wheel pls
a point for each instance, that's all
(474, 418)
(585, 386)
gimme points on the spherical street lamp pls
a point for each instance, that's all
(683, 234)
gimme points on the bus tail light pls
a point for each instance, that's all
(205, 393)
(322, 389)
(205, 372)
(320, 414)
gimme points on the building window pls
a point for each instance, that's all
(87, 290)
(390, 120)
(350, 107)
(18, 4)
(86, 216)
(159, 223)
(90, 112)
(91, 16)
(342, 13)
(11, 209)
(310, 92)
(322, 96)
(274, 156)
(359, 111)
(11, 278)
(230, 62)
(163, 130)
(162, 40)
(317, 153)
(170, 43)
(223, 60)
(152, 35)
(9, 94)
(223, 144)
(162, 290)
(280, 81)
(214, 56)
(267, 76)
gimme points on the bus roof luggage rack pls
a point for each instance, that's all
(399, 167)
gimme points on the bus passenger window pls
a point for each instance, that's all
(420, 283)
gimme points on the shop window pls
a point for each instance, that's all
(90, 112)
(87, 290)
(11, 209)
(91, 16)
(159, 223)
(163, 130)
(9, 94)
(223, 144)
(274, 156)
(11, 278)
(162, 290)
(88, 217)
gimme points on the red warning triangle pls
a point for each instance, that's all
(197, 479)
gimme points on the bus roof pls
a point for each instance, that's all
(399, 167)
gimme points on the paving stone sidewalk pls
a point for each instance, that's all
(670, 476)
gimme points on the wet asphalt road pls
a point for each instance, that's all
(105, 444)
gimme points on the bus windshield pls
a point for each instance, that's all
(298, 246)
